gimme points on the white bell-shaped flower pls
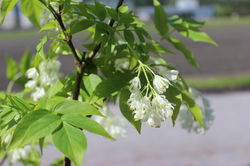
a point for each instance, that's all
(114, 125)
(32, 73)
(160, 84)
(171, 75)
(154, 120)
(39, 93)
(140, 113)
(135, 84)
(31, 84)
(163, 106)
(134, 100)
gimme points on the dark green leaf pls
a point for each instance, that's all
(181, 47)
(80, 25)
(126, 18)
(114, 84)
(129, 37)
(113, 14)
(198, 36)
(126, 112)
(71, 142)
(100, 11)
(160, 18)
(86, 124)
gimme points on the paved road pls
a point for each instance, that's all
(226, 144)
(231, 57)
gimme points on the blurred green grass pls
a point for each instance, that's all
(19, 34)
(219, 83)
(229, 21)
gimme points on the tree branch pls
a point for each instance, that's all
(111, 24)
(68, 38)
(81, 64)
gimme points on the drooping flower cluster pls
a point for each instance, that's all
(17, 154)
(187, 120)
(152, 109)
(113, 124)
(41, 78)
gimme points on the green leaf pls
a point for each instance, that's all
(123, 9)
(33, 126)
(80, 25)
(100, 11)
(91, 82)
(181, 47)
(129, 37)
(55, 88)
(160, 18)
(71, 142)
(11, 69)
(25, 62)
(126, 112)
(113, 14)
(50, 25)
(192, 107)
(174, 96)
(6, 7)
(112, 85)
(126, 18)
(40, 45)
(18, 103)
(74, 106)
(49, 103)
(86, 124)
(198, 36)
(58, 162)
(33, 10)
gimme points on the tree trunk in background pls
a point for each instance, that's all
(17, 17)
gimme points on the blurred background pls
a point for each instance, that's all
(224, 78)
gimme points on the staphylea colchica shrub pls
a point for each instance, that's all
(118, 62)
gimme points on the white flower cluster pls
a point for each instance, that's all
(19, 153)
(187, 120)
(40, 79)
(114, 125)
(153, 110)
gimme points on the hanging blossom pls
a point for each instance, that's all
(114, 125)
(151, 108)
(41, 78)
(15, 155)
(187, 120)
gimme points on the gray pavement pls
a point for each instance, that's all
(227, 143)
